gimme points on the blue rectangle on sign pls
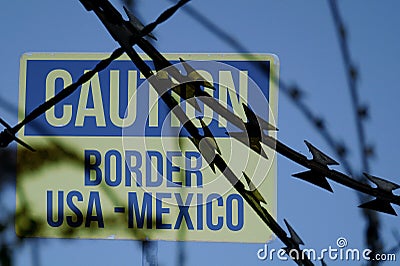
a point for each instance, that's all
(98, 108)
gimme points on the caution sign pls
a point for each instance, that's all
(114, 161)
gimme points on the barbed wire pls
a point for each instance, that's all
(360, 115)
(383, 192)
(352, 75)
(318, 122)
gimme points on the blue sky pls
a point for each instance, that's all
(302, 35)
